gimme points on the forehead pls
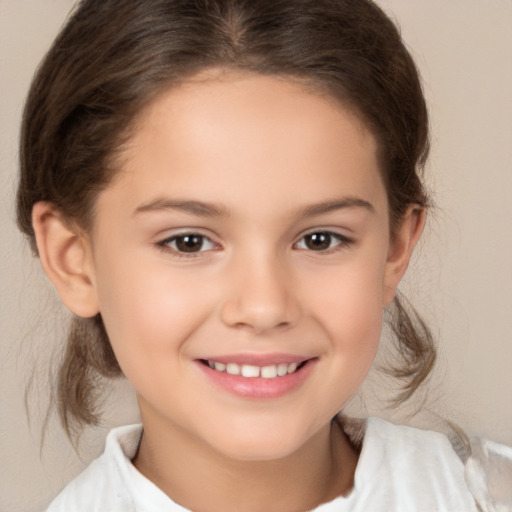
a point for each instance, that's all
(226, 131)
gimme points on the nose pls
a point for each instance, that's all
(260, 297)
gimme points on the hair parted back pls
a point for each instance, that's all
(114, 56)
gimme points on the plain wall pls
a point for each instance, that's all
(461, 277)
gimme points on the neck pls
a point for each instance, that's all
(199, 478)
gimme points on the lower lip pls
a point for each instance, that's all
(258, 387)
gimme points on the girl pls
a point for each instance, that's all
(226, 194)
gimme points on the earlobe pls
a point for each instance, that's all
(66, 258)
(401, 248)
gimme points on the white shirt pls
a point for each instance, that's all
(400, 469)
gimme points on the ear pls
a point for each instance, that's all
(66, 258)
(401, 248)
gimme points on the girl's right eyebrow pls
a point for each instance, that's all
(199, 208)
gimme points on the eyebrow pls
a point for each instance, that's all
(198, 208)
(336, 204)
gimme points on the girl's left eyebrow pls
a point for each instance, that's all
(336, 204)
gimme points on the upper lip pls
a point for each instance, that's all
(258, 359)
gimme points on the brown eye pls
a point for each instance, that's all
(322, 241)
(318, 241)
(188, 243)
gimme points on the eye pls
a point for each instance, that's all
(322, 241)
(187, 243)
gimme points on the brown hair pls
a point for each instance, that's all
(114, 56)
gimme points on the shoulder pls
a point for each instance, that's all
(488, 471)
(415, 454)
(410, 469)
(112, 483)
(103, 485)
(408, 441)
(450, 462)
(389, 441)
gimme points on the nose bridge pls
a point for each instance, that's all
(260, 293)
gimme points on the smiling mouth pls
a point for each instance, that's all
(251, 371)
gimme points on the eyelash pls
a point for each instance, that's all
(166, 244)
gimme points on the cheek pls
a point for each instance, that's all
(350, 309)
(147, 314)
(352, 295)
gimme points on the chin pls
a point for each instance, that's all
(253, 444)
(259, 452)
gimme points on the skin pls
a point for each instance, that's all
(274, 163)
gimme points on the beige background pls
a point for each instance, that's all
(461, 278)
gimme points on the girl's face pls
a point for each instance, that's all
(241, 261)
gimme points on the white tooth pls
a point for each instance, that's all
(292, 367)
(282, 369)
(220, 367)
(211, 364)
(269, 372)
(250, 371)
(233, 369)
